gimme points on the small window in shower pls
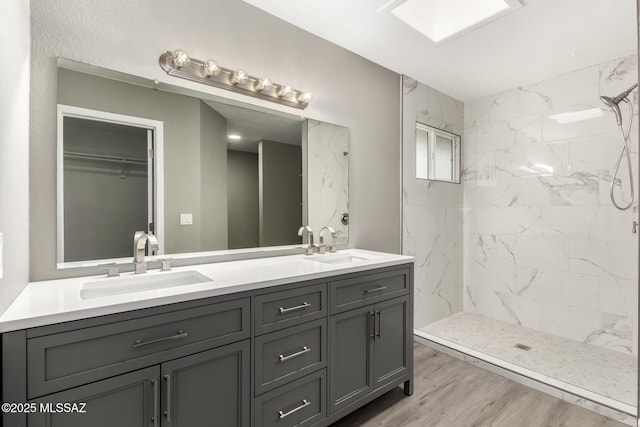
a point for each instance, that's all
(437, 154)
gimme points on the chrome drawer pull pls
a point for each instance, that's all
(378, 289)
(297, 307)
(180, 334)
(304, 350)
(156, 399)
(305, 403)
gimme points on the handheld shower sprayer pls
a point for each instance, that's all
(613, 103)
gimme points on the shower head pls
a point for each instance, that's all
(613, 102)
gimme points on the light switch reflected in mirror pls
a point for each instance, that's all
(132, 157)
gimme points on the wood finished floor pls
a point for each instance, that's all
(451, 393)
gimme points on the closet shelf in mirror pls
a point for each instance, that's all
(104, 158)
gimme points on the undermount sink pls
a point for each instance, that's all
(336, 258)
(137, 283)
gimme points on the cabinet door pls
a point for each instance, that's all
(390, 357)
(350, 356)
(124, 401)
(208, 388)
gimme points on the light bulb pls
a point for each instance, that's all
(304, 97)
(264, 84)
(211, 67)
(239, 77)
(180, 58)
(284, 91)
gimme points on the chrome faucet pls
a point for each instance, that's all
(310, 249)
(140, 240)
(322, 248)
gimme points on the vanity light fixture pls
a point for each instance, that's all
(211, 67)
(178, 63)
(239, 77)
(284, 91)
(180, 58)
(264, 84)
(234, 137)
(304, 98)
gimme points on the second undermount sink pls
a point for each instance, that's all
(137, 283)
(343, 258)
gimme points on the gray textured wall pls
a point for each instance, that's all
(129, 37)
(242, 196)
(280, 193)
(14, 150)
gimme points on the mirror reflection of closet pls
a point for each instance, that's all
(107, 185)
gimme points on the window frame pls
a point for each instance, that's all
(431, 133)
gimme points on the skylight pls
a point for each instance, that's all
(442, 19)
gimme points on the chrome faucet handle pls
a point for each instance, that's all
(310, 249)
(165, 264)
(322, 248)
(111, 268)
(153, 243)
(140, 240)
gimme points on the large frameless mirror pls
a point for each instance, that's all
(201, 173)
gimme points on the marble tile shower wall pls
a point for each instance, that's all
(432, 211)
(543, 245)
(328, 167)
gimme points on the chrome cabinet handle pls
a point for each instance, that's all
(378, 289)
(156, 399)
(297, 307)
(305, 403)
(167, 412)
(180, 334)
(304, 350)
(379, 323)
(372, 325)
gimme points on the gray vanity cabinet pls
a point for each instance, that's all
(369, 348)
(124, 401)
(370, 330)
(208, 388)
(350, 349)
(298, 354)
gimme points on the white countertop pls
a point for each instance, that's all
(54, 301)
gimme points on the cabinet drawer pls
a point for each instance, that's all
(300, 403)
(359, 291)
(67, 359)
(289, 354)
(279, 310)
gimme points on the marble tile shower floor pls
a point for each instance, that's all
(595, 373)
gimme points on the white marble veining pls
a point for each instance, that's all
(432, 211)
(543, 246)
(54, 301)
(328, 188)
(589, 371)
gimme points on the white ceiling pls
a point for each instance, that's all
(543, 39)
